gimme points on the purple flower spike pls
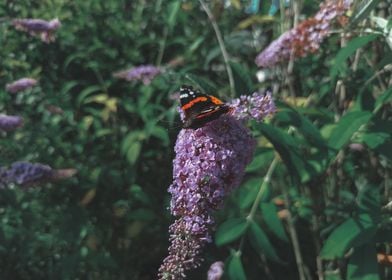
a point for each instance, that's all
(144, 73)
(257, 106)
(27, 174)
(23, 173)
(307, 37)
(20, 85)
(216, 271)
(38, 27)
(8, 123)
(209, 163)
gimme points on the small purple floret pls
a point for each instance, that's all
(8, 123)
(216, 271)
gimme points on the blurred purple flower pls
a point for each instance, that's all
(307, 37)
(8, 123)
(256, 106)
(144, 73)
(20, 85)
(216, 271)
(26, 173)
(38, 27)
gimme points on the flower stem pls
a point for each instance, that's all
(263, 188)
(221, 46)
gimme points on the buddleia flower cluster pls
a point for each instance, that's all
(26, 173)
(307, 36)
(209, 163)
(38, 27)
(20, 85)
(8, 123)
(144, 73)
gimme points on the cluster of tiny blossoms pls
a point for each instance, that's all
(256, 106)
(209, 162)
(144, 73)
(20, 85)
(8, 123)
(38, 27)
(307, 36)
(26, 173)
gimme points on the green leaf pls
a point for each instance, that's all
(303, 124)
(134, 152)
(354, 231)
(85, 92)
(346, 127)
(230, 230)
(270, 216)
(133, 136)
(369, 200)
(363, 263)
(173, 12)
(362, 10)
(373, 140)
(242, 80)
(287, 147)
(347, 51)
(262, 158)
(235, 270)
(383, 98)
(160, 133)
(204, 84)
(261, 243)
(248, 192)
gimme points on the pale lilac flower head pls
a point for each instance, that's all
(210, 162)
(27, 173)
(38, 27)
(20, 85)
(256, 106)
(144, 73)
(216, 271)
(307, 37)
(8, 123)
(22, 173)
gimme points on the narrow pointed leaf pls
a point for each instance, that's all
(230, 230)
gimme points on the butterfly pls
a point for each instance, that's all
(200, 108)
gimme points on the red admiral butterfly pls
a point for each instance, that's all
(200, 108)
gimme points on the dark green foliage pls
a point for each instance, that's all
(331, 177)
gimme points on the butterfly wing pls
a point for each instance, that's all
(200, 108)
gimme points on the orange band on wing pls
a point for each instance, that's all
(192, 102)
(215, 100)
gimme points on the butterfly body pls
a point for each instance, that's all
(200, 108)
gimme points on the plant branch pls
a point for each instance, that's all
(263, 188)
(221, 46)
